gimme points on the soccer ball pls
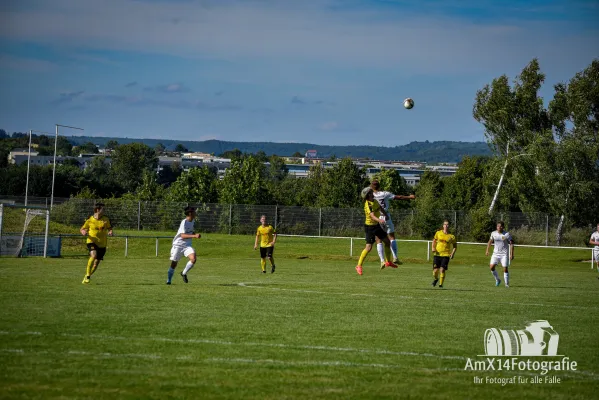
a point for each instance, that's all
(408, 103)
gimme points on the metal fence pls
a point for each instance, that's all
(68, 215)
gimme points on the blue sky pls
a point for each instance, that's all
(318, 71)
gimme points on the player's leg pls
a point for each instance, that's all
(393, 242)
(380, 249)
(382, 235)
(444, 266)
(90, 261)
(100, 252)
(269, 252)
(176, 254)
(191, 255)
(263, 259)
(505, 263)
(370, 239)
(436, 264)
(492, 265)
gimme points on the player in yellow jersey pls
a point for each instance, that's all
(375, 216)
(97, 228)
(444, 247)
(268, 237)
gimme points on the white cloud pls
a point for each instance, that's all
(298, 30)
(329, 126)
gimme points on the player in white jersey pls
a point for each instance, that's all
(502, 253)
(595, 241)
(182, 245)
(383, 198)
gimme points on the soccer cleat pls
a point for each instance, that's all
(507, 286)
(85, 279)
(440, 286)
(396, 261)
(272, 270)
(383, 265)
(359, 269)
(497, 282)
(168, 282)
(263, 271)
(435, 282)
(390, 264)
(184, 278)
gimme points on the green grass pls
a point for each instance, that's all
(314, 329)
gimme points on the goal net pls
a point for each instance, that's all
(23, 230)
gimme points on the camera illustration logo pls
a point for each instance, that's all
(538, 338)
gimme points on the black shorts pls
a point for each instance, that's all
(440, 262)
(372, 231)
(266, 251)
(100, 251)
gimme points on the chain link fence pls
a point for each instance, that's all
(68, 215)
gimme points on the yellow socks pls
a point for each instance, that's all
(89, 266)
(263, 264)
(436, 273)
(442, 278)
(272, 261)
(362, 256)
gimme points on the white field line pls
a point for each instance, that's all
(333, 363)
(251, 344)
(262, 286)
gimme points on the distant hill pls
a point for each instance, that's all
(443, 151)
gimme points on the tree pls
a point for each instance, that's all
(149, 188)
(232, 154)
(90, 148)
(3, 134)
(196, 186)
(112, 144)
(342, 185)
(261, 156)
(43, 140)
(244, 182)
(428, 192)
(159, 149)
(465, 189)
(309, 192)
(180, 148)
(297, 154)
(129, 161)
(569, 161)
(513, 118)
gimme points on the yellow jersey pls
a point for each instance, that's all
(266, 234)
(445, 243)
(372, 206)
(97, 230)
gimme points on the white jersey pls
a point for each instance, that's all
(502, 243)
(383, 198)
(595, 238)
(185, 227)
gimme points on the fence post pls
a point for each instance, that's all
(126, 245)
(139, 215)
(455, 221)
(412, 224)
(351, 247)
(156, 247)
(230, 217)
(593, 259)
(276, 214)
(428, 250)
(46, 233)
(319, 219)
(547, 230)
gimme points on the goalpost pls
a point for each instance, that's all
(24, 230)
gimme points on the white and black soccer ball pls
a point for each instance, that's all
(408, 103)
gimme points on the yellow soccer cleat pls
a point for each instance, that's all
(85, 279)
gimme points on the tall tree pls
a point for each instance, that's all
(129, 161)
(244, 182)
(512, 118)
(112, 144)
(393, 182)
(198, 185)
(342, 185)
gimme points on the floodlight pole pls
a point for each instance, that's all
(29, 161)
(54, 167)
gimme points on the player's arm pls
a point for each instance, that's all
(377, 219)
(455, 248)
(593, 242)
(109, 228)
(190, 236)
(402, 197)
(488, 246)
(511, 249)
(85, 228)
(434, 245)
(274, 238)
(256, 241)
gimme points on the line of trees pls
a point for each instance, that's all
(546, 159)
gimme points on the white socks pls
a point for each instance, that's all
(381, 250)
(506, 278)
(495, 275)
(188, 267)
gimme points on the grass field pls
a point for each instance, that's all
(313, 329)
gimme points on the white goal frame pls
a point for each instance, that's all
(30, 213)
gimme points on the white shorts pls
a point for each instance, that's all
(388, 226)
(596, 255)
(497, 259)
(178, 252)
